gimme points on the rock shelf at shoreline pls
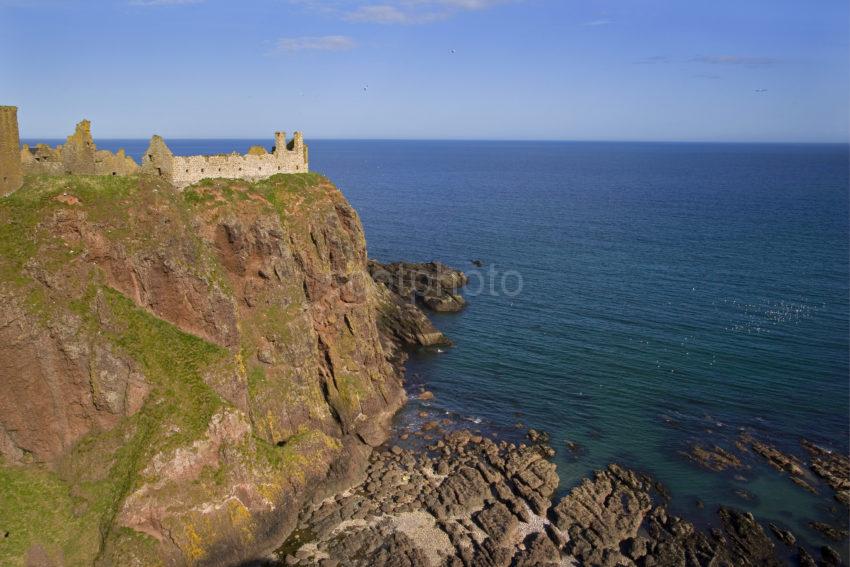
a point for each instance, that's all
(468, 500)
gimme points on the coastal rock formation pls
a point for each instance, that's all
(432, 284)
(404, 324)
(468, 501)
(435, 286)
(774, 457)
(833, 467)
(832, 532)
(78, 156)
(465, 501)
(181, 370)
(715, 458)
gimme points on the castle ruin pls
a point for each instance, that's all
(11, 174)
(78, 156)
(182, 171)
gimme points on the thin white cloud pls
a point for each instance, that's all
(599, 22)
(472, 4)
(736, 60)
(653, 60)
(390, 14)
(741, 60)
(164, 2)
(315, 43)
(398, 11)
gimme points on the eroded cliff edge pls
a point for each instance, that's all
(182, 371)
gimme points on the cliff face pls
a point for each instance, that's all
(181, 371)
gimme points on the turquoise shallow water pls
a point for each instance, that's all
(671, 293)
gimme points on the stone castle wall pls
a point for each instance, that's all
(78, 156)
(182, 171)
(11, 174)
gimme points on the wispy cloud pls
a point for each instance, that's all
(741, 60)
(317, 43)
(599, 22)
(736, 60)
(390, 14)
(164, 2)
(398, 11)
(653, 60)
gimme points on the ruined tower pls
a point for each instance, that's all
(279, 142)
(11, 176)
(79, 150)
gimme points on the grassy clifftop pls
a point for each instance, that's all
(183, 369)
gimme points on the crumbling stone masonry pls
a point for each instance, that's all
(182, 171)
(11, 175)
(77, 156)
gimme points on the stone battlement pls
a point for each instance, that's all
(182, 171)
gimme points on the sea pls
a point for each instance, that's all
(632, 299)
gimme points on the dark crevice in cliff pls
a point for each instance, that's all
(329, 374)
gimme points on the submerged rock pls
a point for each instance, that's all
(715, 458)
(785, 536)
(775, 458)
(830, 557)
(832, 532)
(833, 467)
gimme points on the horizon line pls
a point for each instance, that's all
(494, 140)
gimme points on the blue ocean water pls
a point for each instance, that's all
(670, 294)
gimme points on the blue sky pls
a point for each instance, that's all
(719, 70)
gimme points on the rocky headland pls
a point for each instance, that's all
(208, 377)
